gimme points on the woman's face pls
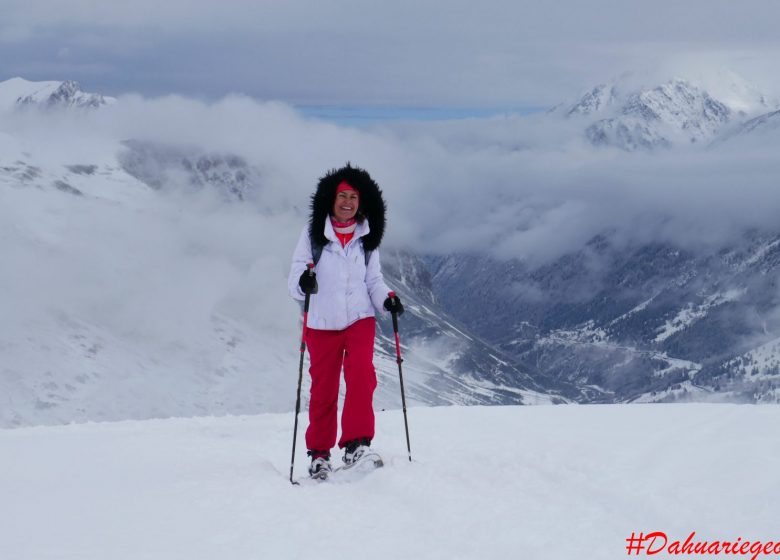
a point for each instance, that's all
(346, 205)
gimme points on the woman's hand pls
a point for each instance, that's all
(308, 282)
(393, 305)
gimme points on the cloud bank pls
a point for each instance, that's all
(497, 53)
(515, 187)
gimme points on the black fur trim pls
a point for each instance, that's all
(372, 205)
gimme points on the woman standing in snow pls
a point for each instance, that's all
(342, 239)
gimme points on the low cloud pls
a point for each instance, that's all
(515, 187)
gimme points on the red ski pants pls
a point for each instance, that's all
(353, 348)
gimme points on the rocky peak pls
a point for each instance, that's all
(676, 112)
(17, 93)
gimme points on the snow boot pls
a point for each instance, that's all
(320, 466)
(355, 449)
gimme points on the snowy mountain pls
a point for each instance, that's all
(550, 483)
(160, 166)
(675, 113)
(672, 113)
(18, 93)
(643, 323)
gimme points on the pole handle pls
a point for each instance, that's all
(391, 295)
(310, 268)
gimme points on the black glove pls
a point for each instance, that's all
(393, 305)
(308, 282)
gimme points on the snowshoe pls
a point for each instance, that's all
(359, 452)
(320, 467)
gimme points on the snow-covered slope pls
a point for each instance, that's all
(178, 308)
(486, 482)
(148, 279)
(599, 98)
(766, 123)
(18, 93)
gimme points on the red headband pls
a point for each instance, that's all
(344, 186)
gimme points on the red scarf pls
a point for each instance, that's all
(344, 231)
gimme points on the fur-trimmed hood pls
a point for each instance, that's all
(372, 205)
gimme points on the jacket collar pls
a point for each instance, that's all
(361, 230)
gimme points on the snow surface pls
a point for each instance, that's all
(486, 482)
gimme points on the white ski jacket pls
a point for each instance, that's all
(348, 289)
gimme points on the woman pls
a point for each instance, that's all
(345, 228)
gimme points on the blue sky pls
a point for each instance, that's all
(369, 115)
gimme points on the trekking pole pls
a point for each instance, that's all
(400, 375)
(300, 373)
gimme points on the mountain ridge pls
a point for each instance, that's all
(673, 113)
(18, 94)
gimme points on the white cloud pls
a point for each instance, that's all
(518, 187)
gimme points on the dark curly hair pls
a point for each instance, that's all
(371, 206)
